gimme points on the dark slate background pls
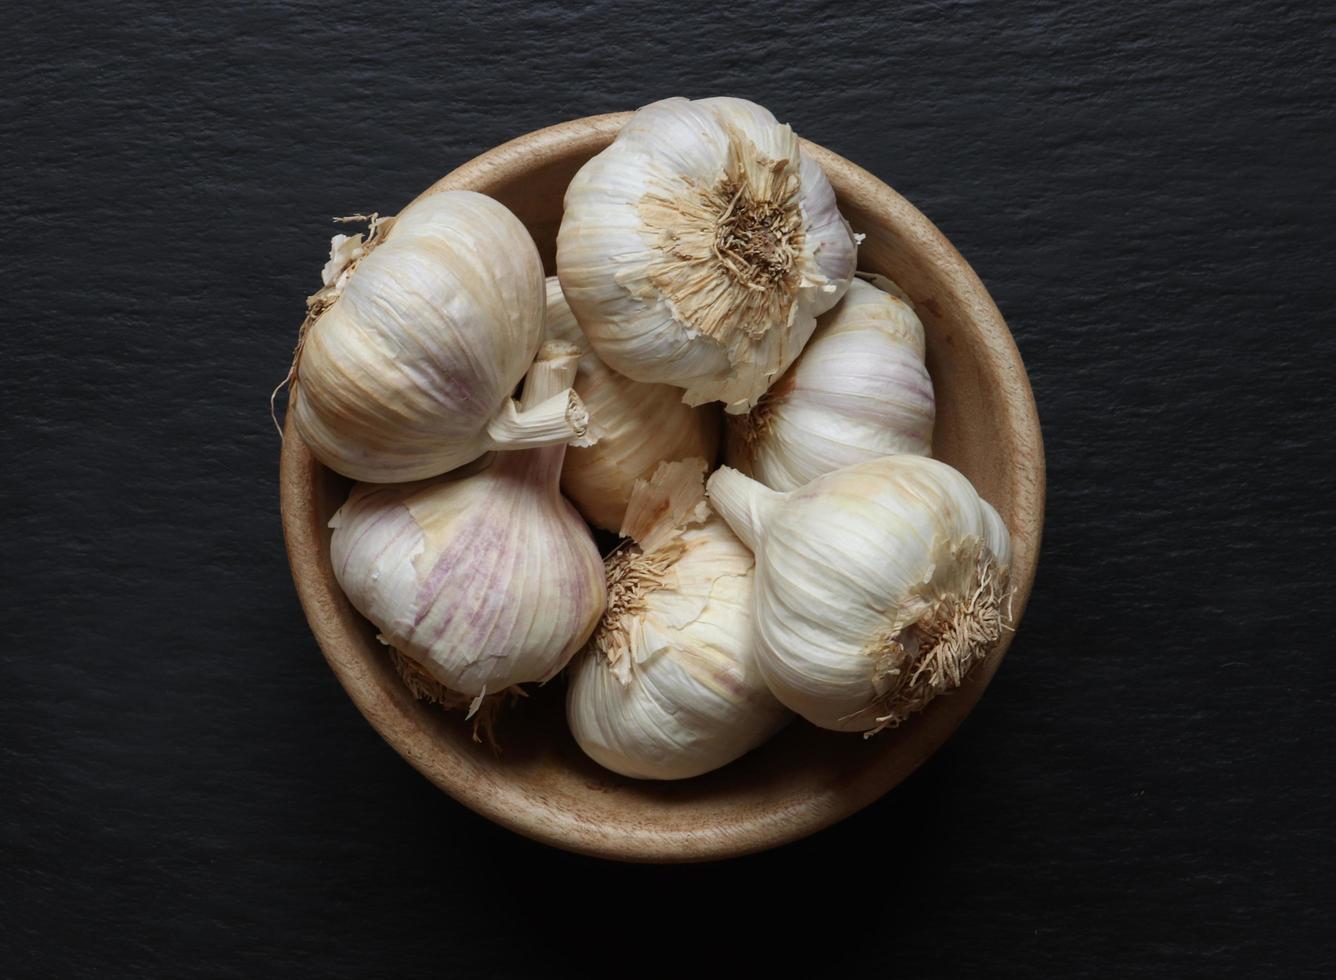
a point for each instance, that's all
(1146, 791)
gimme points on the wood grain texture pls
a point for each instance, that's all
(1144, 792)
(541, 785)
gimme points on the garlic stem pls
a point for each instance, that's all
(549, 413)
(555, 420)
(745, 504)
(552, 373)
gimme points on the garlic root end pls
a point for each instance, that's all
(933, 655)
(483, 710)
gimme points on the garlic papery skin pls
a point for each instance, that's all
(698, 249)
(878, 586)
(485, 577)
(635, 426)
(668, 687)
(858, 392)
(411, 351)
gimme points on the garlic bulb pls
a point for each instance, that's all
(858, 392)
(411, 351)
(485, 577)
(635, 426)
(878, 586)
(698, 249)
(668, 687)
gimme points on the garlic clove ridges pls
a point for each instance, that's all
(416, 342)
(485, 578)
(859, 391)
(879, 586)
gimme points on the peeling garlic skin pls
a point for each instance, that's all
(635, 426)
(669, 686)
(694, 699)
(699, 247)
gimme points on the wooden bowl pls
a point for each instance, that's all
(542, 785)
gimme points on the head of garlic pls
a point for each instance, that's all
(634, 427)
(698, 249)
(878, 586)
(484, 578)
(410, 353)
(859, 391)
(668, 687)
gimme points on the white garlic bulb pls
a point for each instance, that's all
(634, 426)
(878, 586)
(858, 392)
(485, 577)
(668, 687)
(698, 249)
(411, 351)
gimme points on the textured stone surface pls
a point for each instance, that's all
(1146, 189)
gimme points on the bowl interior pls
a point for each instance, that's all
(541, 784)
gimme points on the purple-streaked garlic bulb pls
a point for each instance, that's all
(484, 578)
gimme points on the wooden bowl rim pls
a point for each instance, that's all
(557, 826)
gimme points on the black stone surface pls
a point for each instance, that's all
(1146, 790)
